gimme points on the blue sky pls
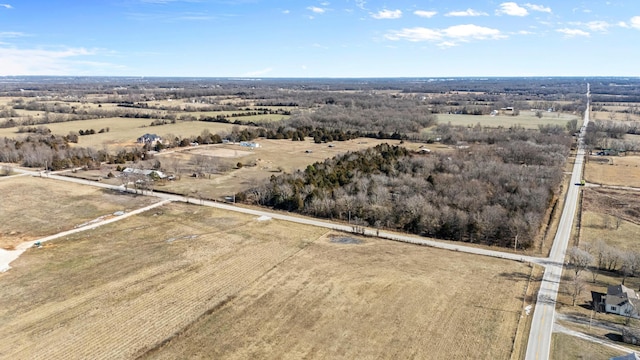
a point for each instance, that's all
(333, 38)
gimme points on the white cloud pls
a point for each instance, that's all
(601, 26)
(325, 3)
(573, 32)
(468, 12)
(415, 34)
(286, 11)
(6, 6)
(11, 34)
(512, 9)
(635, 22)
(541, 8)
(65, 61)
(425, 14)
(361, 4)
(317, 10)
(623, 24)
(447, 37)
(387, 14)
(470, 31)
(447, 44)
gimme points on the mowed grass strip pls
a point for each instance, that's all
(35, 207)
(121, 289)
(375, 299)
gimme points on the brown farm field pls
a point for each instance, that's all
(124, 131)
(37, 207)
(613, 170)
(184, 281)
(526, 119)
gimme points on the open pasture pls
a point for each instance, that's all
(365, 299)
(38, 207)
(183, 281)
(124, 131)
(612, 216)
(526, 119)
(272, 157)
(613, 170)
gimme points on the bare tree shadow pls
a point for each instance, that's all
(515, 275)
(614, 337)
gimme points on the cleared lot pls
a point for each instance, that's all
(222, 285)
(613, 170)
(37, 207)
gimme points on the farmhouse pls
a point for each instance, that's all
(149, 139)
(251, 145)
(622, 301)
(150, 173)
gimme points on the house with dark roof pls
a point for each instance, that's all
(149, 139)
(622, 301)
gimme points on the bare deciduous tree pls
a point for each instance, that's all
(579, 259)
(575, 286)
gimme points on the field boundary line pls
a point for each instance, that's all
(8, 256)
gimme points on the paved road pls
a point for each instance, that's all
(539, 344)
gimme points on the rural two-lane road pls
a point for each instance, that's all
(539, 344)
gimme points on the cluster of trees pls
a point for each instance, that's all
(55, 153)
(605, 134)
(489, 194)
(42, 130)
(401, 116)
(597, 257)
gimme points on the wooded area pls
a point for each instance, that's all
(490, 192)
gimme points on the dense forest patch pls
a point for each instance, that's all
(486, 192)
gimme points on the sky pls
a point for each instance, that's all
(310, 38)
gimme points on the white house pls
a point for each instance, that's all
(622, 301)
(249, 144)
(150, 173)
(149, 139)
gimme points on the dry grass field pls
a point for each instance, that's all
(36, 207)
(212, 284)
(613, 216)
(124, 131)
(526, 119)
(613, 170)
(567, 347)
(271, 157)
